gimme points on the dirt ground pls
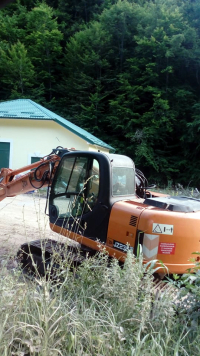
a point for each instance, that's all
(22, 219)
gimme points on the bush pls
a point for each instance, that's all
(188, 302)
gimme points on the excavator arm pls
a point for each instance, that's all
(34, 176)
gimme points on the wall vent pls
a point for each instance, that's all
(37, 116)
(27, 112)
(9, 115)
(133, 220)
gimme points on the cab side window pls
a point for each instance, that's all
(123, 180)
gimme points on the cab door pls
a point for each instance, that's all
(74, 200)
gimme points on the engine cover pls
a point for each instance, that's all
(178, 204)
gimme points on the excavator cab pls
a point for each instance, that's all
(84, 189)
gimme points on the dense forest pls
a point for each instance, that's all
(127, 71)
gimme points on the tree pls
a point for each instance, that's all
(74, 15)
(43, 42)
(18, 70)
(131, 72)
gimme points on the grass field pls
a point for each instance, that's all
(96, 309)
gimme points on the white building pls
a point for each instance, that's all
(28, 132)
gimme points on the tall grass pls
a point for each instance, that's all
(95, 309)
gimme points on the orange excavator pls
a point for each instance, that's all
(101, 201)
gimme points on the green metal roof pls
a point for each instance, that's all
(28, 109)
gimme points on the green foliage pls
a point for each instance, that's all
(43, 43)
(18, 69)
(188, 305)
(127, 71)
(143, 47)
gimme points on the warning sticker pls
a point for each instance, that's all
(166, 248)
(163, 229)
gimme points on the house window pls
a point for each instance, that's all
(35, 159)
(4, 154)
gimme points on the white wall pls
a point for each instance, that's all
(97, 148)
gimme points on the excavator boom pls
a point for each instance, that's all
(33, 176)
(14, 182)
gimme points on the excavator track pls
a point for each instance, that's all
(40, 256)
(43, 258)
